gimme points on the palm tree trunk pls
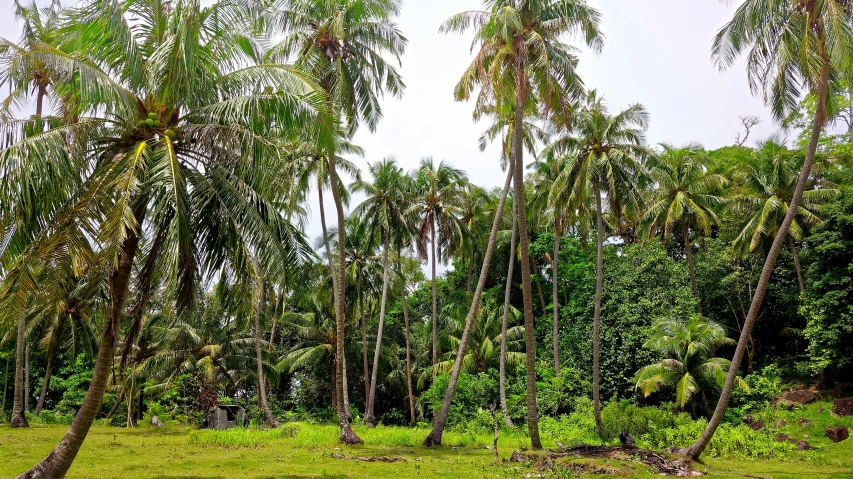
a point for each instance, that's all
(555, 298)
(345, 388)
(434, 301)
(538, 283)
(348, 436)
(596, 328)
(57, 463)
(48, 372)
(800, 278)
(326, 237)
(19, 419)
(5, 387)
(695, 450)
(408, 351)
(470, 271)
(119, 399)
(27, 377)
(262, 389)
(524, 245)
(370, 419)
(129, 422)
(366, 365)
(688, 250)
(440, 421)
(507, 291)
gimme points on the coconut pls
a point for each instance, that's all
(152, 116)
(170, 134)
(149, 122)
(157, 124)
(140, 124)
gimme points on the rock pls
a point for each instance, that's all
(803, 422)
(781, 422)
(785, 404)
(748, 420)
(156, 422)
(516, 456)
(837, 433)
(843, 407)
(803, 446)
(782, 437)
(626, 439)
(800, 396)
(756, 425)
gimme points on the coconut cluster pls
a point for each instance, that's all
(153, 121)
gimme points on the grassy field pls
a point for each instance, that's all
(309, 451)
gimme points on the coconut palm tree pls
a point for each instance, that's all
(604, 158)
(519, 42)
(173, 122)
(684, 194)
(383, 211)
(792, 46)
(437, 190)
(770, 178)
(689, 365)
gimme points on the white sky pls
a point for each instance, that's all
(656, 53)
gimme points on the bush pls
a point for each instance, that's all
(473, 393)
(625, 415)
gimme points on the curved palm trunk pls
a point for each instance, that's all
(119, 399)
(408, 349)
(434, 302)
(504, 322)
(695, 450)
(688, 251)
(524, 244)
(596, 328)
(366, 365)
(262, 386)
(348, 436)
(57, 463)
(555, 306)
(369, 418)
(326, 237)
(800, 278)
(440, 421)
(19, 419)
(129, 421)
(48, 372)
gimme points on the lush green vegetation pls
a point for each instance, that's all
(153, 264)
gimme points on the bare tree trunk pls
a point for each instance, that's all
(434, 301)
(48, 372)
(262, 386)
(800, 278)
(555, 261)
(326, 237)
(129, 422)
(524, 244)
(119, 399)
(345, 389)
(57, 463)
(19, 419)
(507, 291)
(596, 328)
(408, 344)
(366, 365)
(369, 418)
(695, 450)
(348, 436)
(5, 387)
(27, 377)
(688, 250)
(440, 421)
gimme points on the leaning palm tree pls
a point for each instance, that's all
(689, 365)
(770, 178)
(684, 194)
(342, 43)
(437, 195)
(519, 43)
(173, 122)
(383, 211)
(792, 45)
(605, 153)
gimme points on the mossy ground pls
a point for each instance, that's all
(308, 451)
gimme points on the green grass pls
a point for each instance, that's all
(300, 450)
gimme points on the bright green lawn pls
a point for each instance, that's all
(180, 453)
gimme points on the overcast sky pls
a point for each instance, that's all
(656, 53)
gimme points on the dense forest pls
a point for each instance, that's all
(152, 209)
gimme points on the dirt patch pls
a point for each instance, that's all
(837, 433)
(843, 407)
(659, 463)
(800, 396)
(370, 458)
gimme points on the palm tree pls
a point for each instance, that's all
(684, 194)
(341, 43)
(770, 178)
(437, 194)
(689, 364)
(383, 211)
(520, 43)
(604, 158)
(791, 45)
(473, 218)
(170, 136)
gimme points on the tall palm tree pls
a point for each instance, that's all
(689, 364)
(519, 42)
(342, 43)
(383, 211)
(770, 178)
(174, 116)
(437, 195)
(684, 194)
(605, 155)
(792, 45)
